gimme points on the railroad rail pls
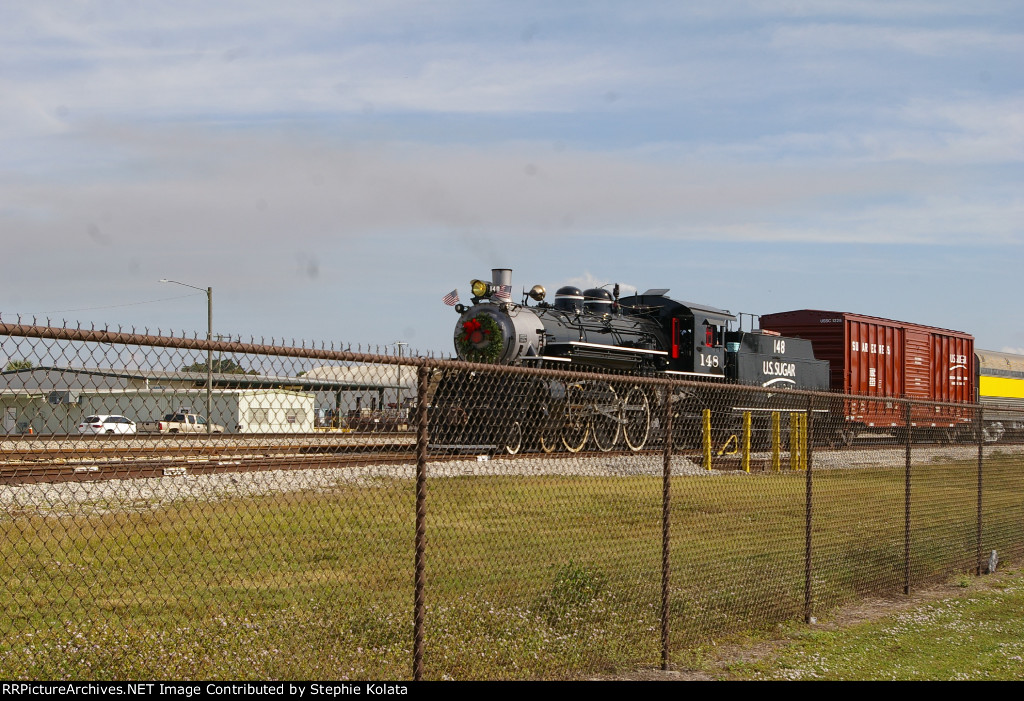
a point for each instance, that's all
(41, 459)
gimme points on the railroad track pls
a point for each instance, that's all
(92, 467)
(83, 470)
(39, 461)
(85, 458)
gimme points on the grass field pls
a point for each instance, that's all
(969, 629)
(527, 577)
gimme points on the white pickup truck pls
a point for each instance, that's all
(182, 422)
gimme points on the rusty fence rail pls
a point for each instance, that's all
(182, 508)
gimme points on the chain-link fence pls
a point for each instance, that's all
(179, 508)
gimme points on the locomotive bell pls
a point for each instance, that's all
(537, 293)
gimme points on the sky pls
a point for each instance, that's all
(333, 169)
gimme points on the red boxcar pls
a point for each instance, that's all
(884, 358)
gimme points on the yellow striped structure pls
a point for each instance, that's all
(1006, 387)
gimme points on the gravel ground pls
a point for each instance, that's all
(104, 496)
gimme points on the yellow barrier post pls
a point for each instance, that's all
(794, 441)
(803, 442)
(746, 441)
(776, 442)
(707, 438)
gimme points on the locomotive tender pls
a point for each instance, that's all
(646, 334)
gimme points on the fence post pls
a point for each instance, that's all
(981, 460)
(808, 512)
(419, 604)
(666, 522)
(906, 502)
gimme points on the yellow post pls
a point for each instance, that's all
(794, 441)
(803, 441)
(776, 442)
(707, 438)
(746, 441)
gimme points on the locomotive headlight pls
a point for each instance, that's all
(480, 288)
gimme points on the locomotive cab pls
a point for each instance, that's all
(696, 332)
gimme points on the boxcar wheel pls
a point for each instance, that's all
(991, 433)
(843, 438)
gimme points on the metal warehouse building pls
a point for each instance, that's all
(54, 400)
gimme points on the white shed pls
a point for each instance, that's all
(272, 411)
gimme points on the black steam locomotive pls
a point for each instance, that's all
(595, 330)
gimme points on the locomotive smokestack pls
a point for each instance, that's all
(502, 280)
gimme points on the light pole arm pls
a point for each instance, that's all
(209, 360)
(209, 351)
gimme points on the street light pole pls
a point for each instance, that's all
(209, 351)
(400, 344)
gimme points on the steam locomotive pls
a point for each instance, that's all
(596, 330)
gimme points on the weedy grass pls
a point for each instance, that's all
(526, 577)
(977, 635)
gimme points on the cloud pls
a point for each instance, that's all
(960, 130)
(588, 281)
(204, 187)
(286, 151)
(902, 38)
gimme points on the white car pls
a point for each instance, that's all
(106, 423)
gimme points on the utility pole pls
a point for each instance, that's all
(400, 344)
(209, 351)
